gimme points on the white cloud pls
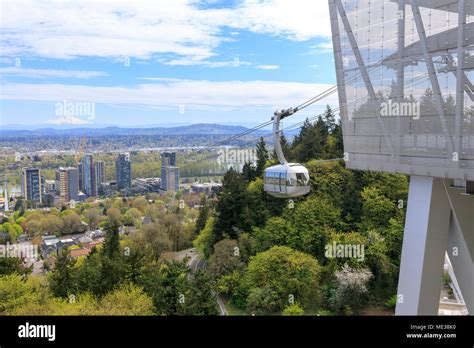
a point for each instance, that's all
(45, 73)
(268, 67)
(143, 29)
(210, 64)
(293, 19)
(166, 94)
(321, 48)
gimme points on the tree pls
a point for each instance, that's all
(51, 224)
(199, 298)
(174, 229)
(132, 217)
(329, 119)
(114, 217)
(293, 310)
(312, 220)
(15, 293)
(72, 223)
(279, 276)
(249, 171)
(61, 281)
(262, 156)
(140, 203)
(257, 205)
(230, 205)
(153, 239)
(13, 265)
(166, 282)
(92, 217)
(112, 240)
(376, 209)
(128, 299)
(225, 259)
(205, 240)
(203, 215)
(350, 293)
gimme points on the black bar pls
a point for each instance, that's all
(242, 330)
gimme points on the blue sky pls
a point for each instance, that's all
(147, 63)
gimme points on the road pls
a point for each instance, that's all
(196, 263)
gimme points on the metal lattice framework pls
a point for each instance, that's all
(410, 109)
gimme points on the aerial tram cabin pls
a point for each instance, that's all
(285, 180)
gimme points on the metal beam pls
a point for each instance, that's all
(468, 87)
(432, 74)
(424, 244)
(336, 43)
(400, 69)
(459, 80)
(363, 71)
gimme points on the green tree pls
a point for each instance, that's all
(230, 206)
(128, 299)
(293, 310)
(376, 209)
(199, 298)
(225, 259)
(153, 239)
(92, 217)
(166, 282)
(112, 240)
(203, 215)
(262, 156)
(62, 281)
(17, 292)
(13, 265)
(279, 276)
(205, 239)
(249, 171)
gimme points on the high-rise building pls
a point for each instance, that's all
(31, 184)
(5, 194)
(168, 159)
(169, 172)
(88, 176)
(123, 171)
(80, 169)
(68, 184)
(99, 168)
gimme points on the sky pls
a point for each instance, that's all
(162, 62)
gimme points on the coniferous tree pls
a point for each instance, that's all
(262, 156)
(329, 119)
(203, 215)
(112, 241)
(230, 205)
(249, 172)
(62, 279)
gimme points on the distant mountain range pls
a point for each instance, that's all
(195, 129)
